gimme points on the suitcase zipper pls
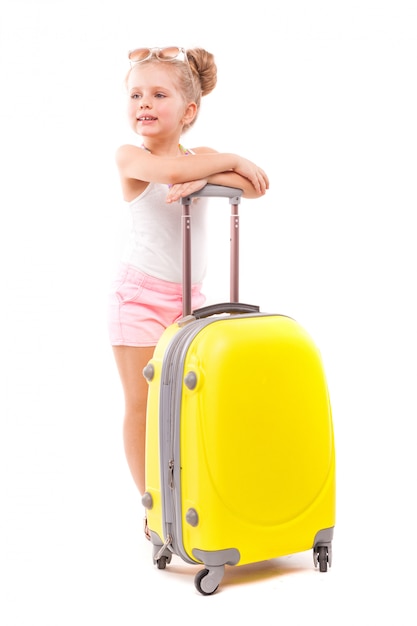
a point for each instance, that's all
(171, 473)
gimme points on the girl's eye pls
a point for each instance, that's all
(159, 95)
(135, 96)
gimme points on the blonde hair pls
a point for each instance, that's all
(199, 82)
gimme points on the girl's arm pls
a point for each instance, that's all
(233, 179)
(137, 164)
(227, 179)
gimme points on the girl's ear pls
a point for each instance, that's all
(190, 113)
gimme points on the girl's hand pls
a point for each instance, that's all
(181, 190)
(253, 173)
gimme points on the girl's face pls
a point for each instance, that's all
(156, 108)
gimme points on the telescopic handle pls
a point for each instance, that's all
(213, 191)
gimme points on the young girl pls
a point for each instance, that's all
(164, 87)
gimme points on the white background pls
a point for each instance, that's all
(322, 95)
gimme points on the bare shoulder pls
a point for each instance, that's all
(203, 150)
(127, 152)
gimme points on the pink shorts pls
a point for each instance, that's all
(141, 307)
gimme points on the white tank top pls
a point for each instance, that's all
(155, 242)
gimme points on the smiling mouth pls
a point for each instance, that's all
(146, 118)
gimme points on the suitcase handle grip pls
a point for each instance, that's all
(224, 307)
(214, 191)
(218, 191)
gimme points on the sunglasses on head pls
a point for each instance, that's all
(163, 54)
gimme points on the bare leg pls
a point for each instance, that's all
(130, 362)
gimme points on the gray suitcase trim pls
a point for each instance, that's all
(169, 429)
(218, 557)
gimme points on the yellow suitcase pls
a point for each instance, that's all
(240, 463)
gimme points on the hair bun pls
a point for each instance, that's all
(203, 64)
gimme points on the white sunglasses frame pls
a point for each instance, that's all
(156, 52)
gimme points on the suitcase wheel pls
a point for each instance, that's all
(161, 557)
(207, 581)
(161, 563)
(322, 557)
(161, 553)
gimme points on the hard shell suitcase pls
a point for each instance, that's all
(240, 459)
